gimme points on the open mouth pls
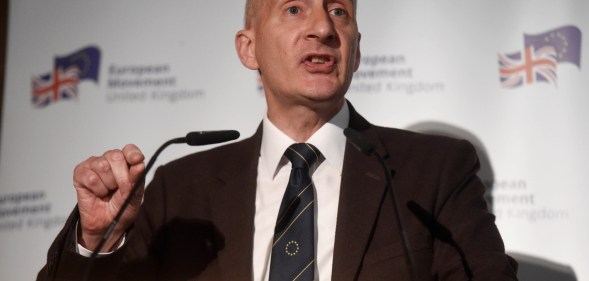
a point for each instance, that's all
(319, 59)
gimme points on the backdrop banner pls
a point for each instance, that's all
(511, 77)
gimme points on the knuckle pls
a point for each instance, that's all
(78, 169)
(86, 179)
(91, 179)
(132, 153)
(102, 165)
(130, 146)
(114, 154)
(84, 164)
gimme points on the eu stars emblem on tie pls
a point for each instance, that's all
(293, 247)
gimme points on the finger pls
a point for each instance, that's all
(136, 172)
(133, 155)
(135, 158)
(101, 166)
(120, 168)
(86, 180)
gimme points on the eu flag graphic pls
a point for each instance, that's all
(539, 59)
(565, 40)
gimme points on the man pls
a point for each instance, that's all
(212, 215)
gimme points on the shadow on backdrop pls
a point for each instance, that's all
(530, 268)
(533, 268)
(442, 129)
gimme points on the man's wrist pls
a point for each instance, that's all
(82, 250)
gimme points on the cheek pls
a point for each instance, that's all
(356, 59)
(273, 50)
(353, 55)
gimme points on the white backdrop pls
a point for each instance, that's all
(168, 67)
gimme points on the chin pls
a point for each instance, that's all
(323, 89)
(324, 96)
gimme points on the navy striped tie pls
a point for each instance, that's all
(293, 248)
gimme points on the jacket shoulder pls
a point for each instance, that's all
(409, 140)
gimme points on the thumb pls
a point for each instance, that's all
(136, 172)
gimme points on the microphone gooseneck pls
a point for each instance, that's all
(366, 147)
(359, 142)
(440, 232)
(193, 139)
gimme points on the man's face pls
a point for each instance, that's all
(306, 50)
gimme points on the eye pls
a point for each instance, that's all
(338, 12)
(293, 10)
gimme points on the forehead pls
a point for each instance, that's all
(253, 8)
(257, 4)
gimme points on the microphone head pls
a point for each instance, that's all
(211, 137)
(359, 142)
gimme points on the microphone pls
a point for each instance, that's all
(193, 139)
(365, 146)
(210, 137)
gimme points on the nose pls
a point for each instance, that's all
(321, 26)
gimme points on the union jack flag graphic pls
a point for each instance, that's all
(541, 54)
(51, 88)
(535, 65)
(62, 82)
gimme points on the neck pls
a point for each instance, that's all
(301, 122)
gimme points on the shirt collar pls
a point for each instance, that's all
(329, 139)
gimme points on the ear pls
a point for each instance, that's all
(246, 48)
(358, 56)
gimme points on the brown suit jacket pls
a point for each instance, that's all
(197, 220)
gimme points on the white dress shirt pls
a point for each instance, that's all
(273, 174)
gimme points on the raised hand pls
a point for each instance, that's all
(102, 184)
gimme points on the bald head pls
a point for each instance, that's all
(251, 6)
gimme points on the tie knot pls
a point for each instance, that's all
(302, 155)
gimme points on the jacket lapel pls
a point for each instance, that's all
(233, 207)
(362, 191)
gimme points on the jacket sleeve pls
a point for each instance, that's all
(64, 263)
(467, 242)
